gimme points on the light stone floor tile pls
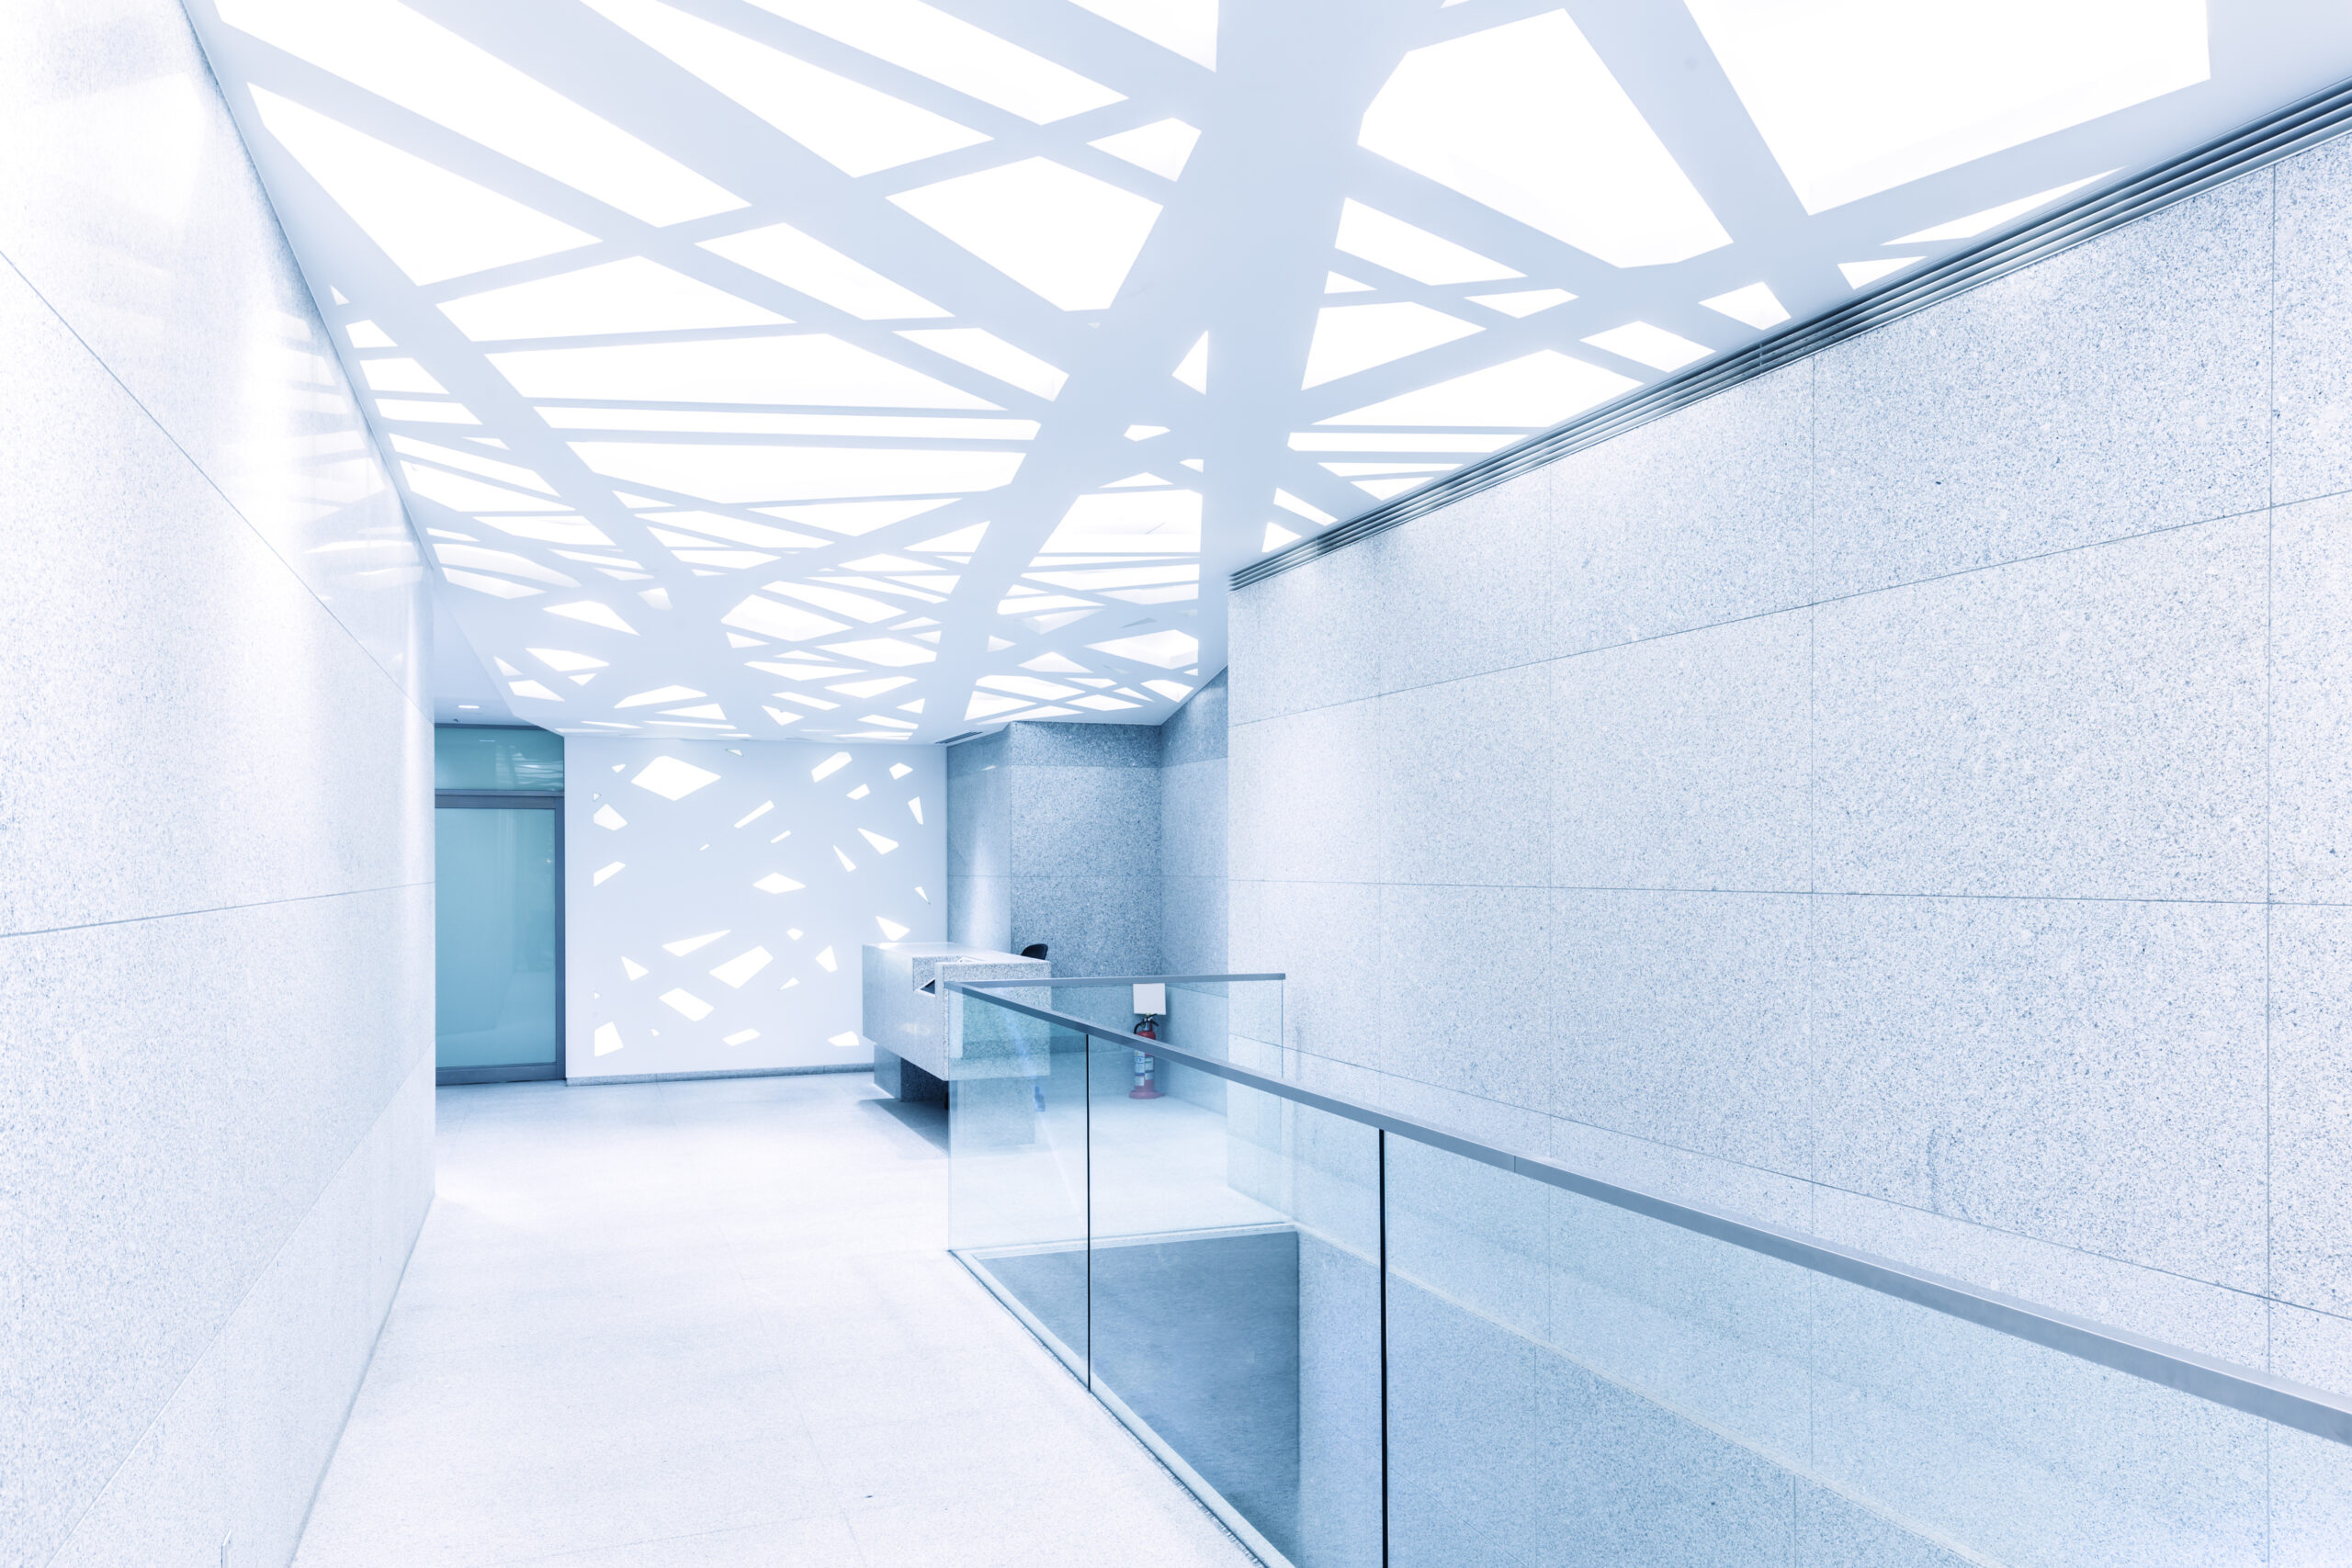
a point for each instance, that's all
(715, 1322)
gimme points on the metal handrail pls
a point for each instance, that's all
(2246, 1389)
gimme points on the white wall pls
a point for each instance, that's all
(688, 870)
(1903, 797)
(216, 900)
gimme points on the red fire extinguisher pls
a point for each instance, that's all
(1148, 1028)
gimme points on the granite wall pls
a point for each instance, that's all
(1192, 834)
(216, 919)
(1052, 835)
(1902, 799)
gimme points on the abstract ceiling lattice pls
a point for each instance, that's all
(867, 369)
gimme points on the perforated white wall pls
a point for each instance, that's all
(715, 897)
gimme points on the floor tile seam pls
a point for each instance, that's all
(213, 909)
(252, 1289)
(234, 510)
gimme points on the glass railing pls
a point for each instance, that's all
(1361, 1339)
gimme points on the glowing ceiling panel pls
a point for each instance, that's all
(858, 369)
(1855, 97)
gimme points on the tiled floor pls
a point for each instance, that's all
(715, 1324)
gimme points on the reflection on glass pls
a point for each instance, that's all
(1205, 1252)
(494, 938)
(476, 757)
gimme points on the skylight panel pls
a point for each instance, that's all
(1523, 302)
(952, 52)
(1170, 650)
(507, 561)
(891, 653)
(488, 468)
(1528, 119)
(1276, 537)
(740, 421)
(1162, 148)
(1348, 338)
(410, 411)
(591, 612)
(433, 224)
(1862, 273)
(1145, 431)
(815, 369)
(397, 54)
(632, 295)
(786, 622)
(1194, 368)
(497, 587)
(1756, 304)
(814, 268)
(1654, 346)
(464, 494)
(1306, 508)
(1976, 223)
(1341, 283)
(1420, 255)
(1058, 233)
(855, 128)
(368, 334)
(734, 474)
(1539, 390)
(398, 376)
(1183, 27)
(991, 355)
(856, 517)
(557, 531)
(736, 529)
(1101, 579)
(1155, 522)
(1855, 97)
(1386, 441)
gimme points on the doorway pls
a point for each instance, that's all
(498, 924)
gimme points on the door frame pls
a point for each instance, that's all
(525, 1072)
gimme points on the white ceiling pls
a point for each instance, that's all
(876, 368)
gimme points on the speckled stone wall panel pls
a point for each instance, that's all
(1196, 731)
(1465, 782)
(1465, 997)
(304, 1333)
(2310, 1106)
(2311, 719)
(1687, 522)
(177, 1095)
(1093, 925)
(1192, 819)
(2211, 1319)
(1681, 763)
(1304, 795)
(1307, 638)
(182, 724)
(216, 935)
(1681, 1018)
(2088, 724)
(130, 205)
(1194, 925)
(2314, 428)
(2025, 1454)
(1324, 936)
(1044, 745)
(1081, 821)
(2084, 1072)
(2120, 386)
(1490, 554)
(2311, 1478)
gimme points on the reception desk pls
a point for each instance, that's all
(907, 1023)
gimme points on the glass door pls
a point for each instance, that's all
(499, 1014)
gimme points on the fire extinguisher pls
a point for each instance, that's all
(1148, 1028)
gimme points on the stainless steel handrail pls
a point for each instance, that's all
(2246, 1389)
